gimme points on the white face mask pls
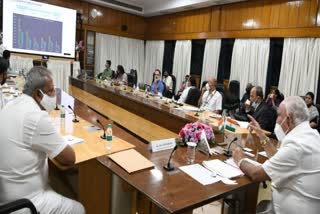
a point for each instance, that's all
(278, 131)
(49, 103)
(207, 87)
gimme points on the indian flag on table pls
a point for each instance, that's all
(226, 122)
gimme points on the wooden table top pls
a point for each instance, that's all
(174, 191)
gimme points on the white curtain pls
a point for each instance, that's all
(300, 66)
(153, 60)
(132, 55)
(76, 69)
(211, 59)
(181, 60)
(61, 70)
(18, 63)
(107, 48)
(249, 62)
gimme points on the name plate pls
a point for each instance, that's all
(165, 144)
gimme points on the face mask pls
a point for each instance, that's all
(207, 87)
(278, 131)
(49, 103)
(254, 105)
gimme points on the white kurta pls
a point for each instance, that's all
(28, 138)
(212, 101)
(295, 172)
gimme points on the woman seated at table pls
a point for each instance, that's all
(190, 83)
(121, 76)
(313, 111)
(274, 99)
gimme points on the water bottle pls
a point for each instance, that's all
(62, 112)
(109, 137)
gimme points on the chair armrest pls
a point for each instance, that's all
(18, 205)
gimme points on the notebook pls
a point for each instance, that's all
(131, 160)
(222, 169)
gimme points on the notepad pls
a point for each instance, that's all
(222, 169)
(131, 160)
(71, 140)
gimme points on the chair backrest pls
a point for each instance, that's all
(134, 74)
(234, 88)
(174, 83)
(130, 80)
(193, 97)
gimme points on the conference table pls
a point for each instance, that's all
(175, 191)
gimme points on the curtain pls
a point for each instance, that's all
(181, 60)
(154, 59)
(107, 48)
(250, 62)
(169, 46)
(61, 70)
(18, 63)
(211, 59)
(132, 55)
(197, 54)
(225, 57)
(300, 66)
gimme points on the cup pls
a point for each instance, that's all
(191, 152)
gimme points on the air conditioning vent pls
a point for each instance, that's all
(124, 5)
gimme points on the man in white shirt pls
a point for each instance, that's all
(295, 168)
(3, 77)
(28, 139)
(211, 99)
(167, 79)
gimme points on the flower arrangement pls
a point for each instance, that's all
(191, 132)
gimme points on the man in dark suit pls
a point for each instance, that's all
(259, 110)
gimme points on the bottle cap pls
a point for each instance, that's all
(109, 125)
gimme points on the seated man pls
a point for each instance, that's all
(210, 98)
(157, 85)
(107, 72)
(259, 110)
(3, 77)
(313, 111)
(167, 80)
(182, 87)
(294, 169)
(28, 139)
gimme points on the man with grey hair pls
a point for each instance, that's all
(28, 139)
(294, 169)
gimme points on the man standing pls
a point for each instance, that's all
(167, 80)
(107, 72)
(28, 139)
(294, 169)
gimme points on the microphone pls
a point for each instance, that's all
(75, 120)
(104, 130)
(169, 166)
(227, 152)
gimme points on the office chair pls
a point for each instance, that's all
(18, 205)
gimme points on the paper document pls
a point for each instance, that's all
(222, 169)
(243, 124)
(71, 140)
(200, 174)
(91, 128)
(263, 153)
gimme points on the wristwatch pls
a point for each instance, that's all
(265, 141)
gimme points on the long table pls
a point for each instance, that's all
(174, 191)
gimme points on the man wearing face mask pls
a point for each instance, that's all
(259, 110)
(28, 139)
(294, 169)
(3, 77)
(157, 84)
(211, 99)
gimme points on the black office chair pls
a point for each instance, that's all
(232, 98)
(134, 74)
(318, 107)
(18, 205)
(174, 84)
(193, 97)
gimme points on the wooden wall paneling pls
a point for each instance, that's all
(215, 22)
(258, 14)
(284, 15)
(318, 15)
(314, 4)
(274, 16)
(244, 16)
(294, 13)
(304, 13)
(265, 21)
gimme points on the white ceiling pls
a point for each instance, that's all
(160, 7)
